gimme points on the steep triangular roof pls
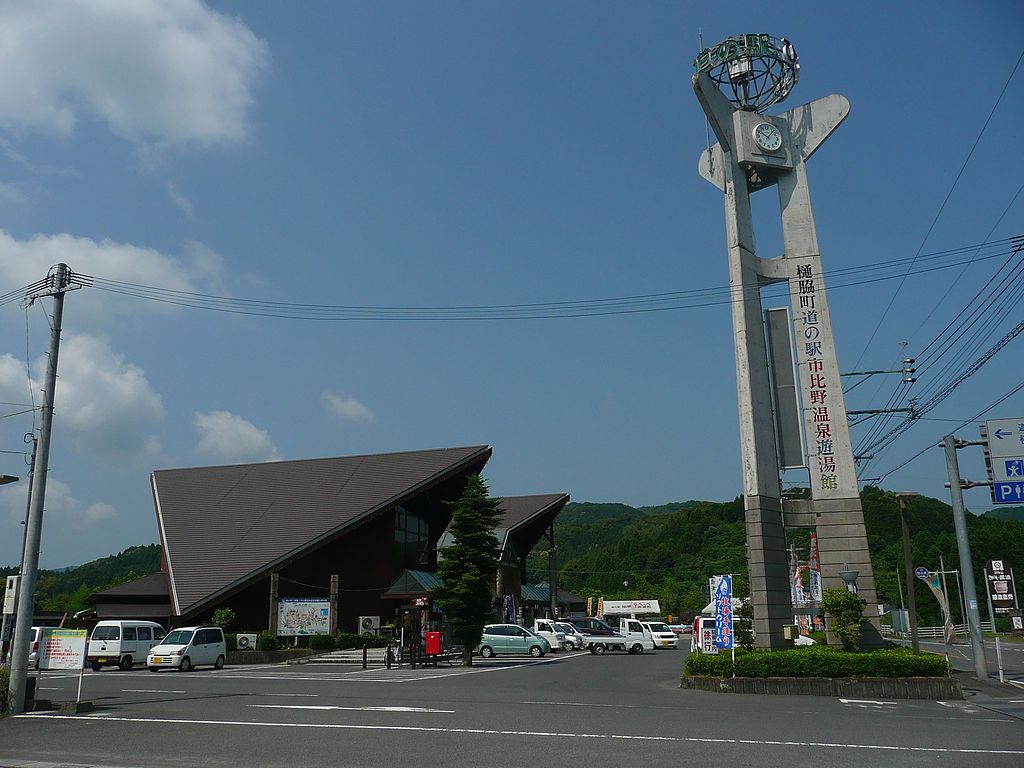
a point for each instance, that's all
(225, 526)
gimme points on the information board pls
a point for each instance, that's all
(62, 648)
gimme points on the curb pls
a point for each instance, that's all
(934, 688)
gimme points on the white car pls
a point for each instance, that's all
(663, 635)
(574, 639)
(189, 647)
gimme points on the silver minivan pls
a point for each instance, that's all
(188, 647)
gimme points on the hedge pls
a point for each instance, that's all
(352, 640)
(5, 679)
(817, 662)
(322, 643)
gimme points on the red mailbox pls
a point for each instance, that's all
(433, 644)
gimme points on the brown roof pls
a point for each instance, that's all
(224, 526)
(155, 584)
(519, 510)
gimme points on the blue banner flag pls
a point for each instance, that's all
(723, 613)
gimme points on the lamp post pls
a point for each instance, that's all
(4, 480)
(908, 569)
(850, 580)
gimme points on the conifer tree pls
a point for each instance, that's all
(468, 565)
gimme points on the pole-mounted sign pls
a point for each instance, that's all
(1004, 456)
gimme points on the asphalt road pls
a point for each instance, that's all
(961, 656)
(573, 709)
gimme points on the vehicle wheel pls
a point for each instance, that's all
(126, 663)
(536, 651)
(95, 666)
(569, 646)
(486, 651)
(599, 649)
(219, 663)
(637, 649)
(154, 669)
(186, 665)
(591, 649)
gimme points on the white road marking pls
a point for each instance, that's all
(58, 688)
(538, 734)
(581, 704)
(301, 695)
(325, 707)
(149, 690)
(868, 701)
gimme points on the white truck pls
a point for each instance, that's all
(638, 637)
(548, 629)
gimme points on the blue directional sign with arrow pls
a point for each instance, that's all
(1005, 454)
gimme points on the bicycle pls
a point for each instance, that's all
(455, 656)
(393, 655)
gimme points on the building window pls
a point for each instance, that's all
(412, 539)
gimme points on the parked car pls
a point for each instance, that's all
(121, 642)
(681, 629)
(663, 635)
(511, 638)
(547, 629)
(189, 647)
(574, 639)
(33, 647)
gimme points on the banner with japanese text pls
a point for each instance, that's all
(723, 613)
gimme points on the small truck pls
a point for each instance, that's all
(547, 629)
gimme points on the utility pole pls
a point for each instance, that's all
(963, 546)
(58, 285)
(908, 572)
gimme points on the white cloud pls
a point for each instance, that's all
(179, 198)
(174, 73)
(61, 507)
(348, 408)
(230, 439)
(24, 262)
(104, 404)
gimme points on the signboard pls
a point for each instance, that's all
(1016, 621)
(420, 602)
(707, 640)
(1001, 589)
(11, 594)
(723, 613)
(1004, 456)
(627, 607)
(921, 572)
(303, 616)
(62, 648)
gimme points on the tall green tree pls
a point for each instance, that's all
(468, 565)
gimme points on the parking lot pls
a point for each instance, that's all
(601, 710)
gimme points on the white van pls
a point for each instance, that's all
(189, 647)
(121, 642)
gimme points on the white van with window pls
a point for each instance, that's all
(188, 647)
(121, 642)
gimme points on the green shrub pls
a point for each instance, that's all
(5, 679)
(352, 640)
(231, 641)
(322, 643)
(266, 642)
(223, 618)
(817, 661)
(847, 612)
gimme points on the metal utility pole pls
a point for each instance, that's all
(34, 523)
(963, 546)
(908, 572)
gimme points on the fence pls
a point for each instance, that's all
(959, 629)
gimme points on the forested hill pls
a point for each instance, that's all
(67, 589)
(668, 554)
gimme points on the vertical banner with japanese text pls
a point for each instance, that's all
(723, 613)
(814, 569)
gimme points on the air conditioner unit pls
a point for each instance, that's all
(369, 625)
(245, 642)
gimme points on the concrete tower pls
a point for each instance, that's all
(756, 151)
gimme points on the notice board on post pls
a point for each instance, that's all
(301, 616)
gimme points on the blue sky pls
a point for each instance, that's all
(462, 154)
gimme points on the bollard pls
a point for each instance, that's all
(364, 657)
(999, 660)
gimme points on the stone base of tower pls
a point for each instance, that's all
(842, 546)
(768, 566)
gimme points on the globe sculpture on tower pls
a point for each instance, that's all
(791, 406)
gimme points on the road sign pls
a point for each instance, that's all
(1001, 590)
(921, 572)
(1004, 457)
(1008, 493)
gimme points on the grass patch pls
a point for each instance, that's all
(817, 662)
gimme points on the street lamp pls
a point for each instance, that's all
(5, 479)
(849, 580)
(908, 568)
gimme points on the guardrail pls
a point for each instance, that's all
(961, 630)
